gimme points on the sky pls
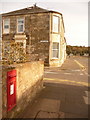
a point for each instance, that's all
(75, 14)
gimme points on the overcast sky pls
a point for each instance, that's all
(75, 14)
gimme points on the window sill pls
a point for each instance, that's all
(5, 33)
(55, 32)
(20, 32)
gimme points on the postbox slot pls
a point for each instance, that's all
(11, 76)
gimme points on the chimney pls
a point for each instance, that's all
(35, 5)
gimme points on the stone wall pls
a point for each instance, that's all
(29, 81)
(39, 29)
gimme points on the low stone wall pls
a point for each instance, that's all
(29, 81)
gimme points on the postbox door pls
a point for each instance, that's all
(11, 92)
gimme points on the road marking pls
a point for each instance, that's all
(86, 100)
(79, 64)
(76, 70)
(87, 74)
(67, 73)
(81, 73)
(62, 80)
(50, 72)
(87, 93)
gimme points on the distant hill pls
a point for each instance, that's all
(78, 50)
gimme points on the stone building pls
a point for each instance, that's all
(40, 30)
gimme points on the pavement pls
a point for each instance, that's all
(65, 93)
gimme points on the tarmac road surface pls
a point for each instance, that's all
(72, 71)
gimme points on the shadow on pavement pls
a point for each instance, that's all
(73, 99)
(58, 100)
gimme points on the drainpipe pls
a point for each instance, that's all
(0, 37)
(0, 67)
(88, 26)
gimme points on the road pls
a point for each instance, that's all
(65, 92)
(74, 70)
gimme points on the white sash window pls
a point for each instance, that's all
(55, 26)
(20, 25)
(6, 25)
(55, 50)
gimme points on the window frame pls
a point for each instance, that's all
(56, 49)
(57, 23)
(23, 25)
(4, 26)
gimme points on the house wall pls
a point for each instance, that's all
(29, 81)
(0, 66)
(57, 37)
(13, 28)
(63, 52)
(40, 35)
(36, 31)
(63, 44)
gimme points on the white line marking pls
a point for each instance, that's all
(67, 73)
(81, 73)
(87, 74)
(64, 80)
(76, 70)
(51, 72)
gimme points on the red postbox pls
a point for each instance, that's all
(11, 89)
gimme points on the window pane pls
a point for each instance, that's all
(20, 22)
(55, 50)
(55, 45)
(55, 53)
(20, 28)
(20, 25)
(6, 25)
(6, 22)
(55, 23)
